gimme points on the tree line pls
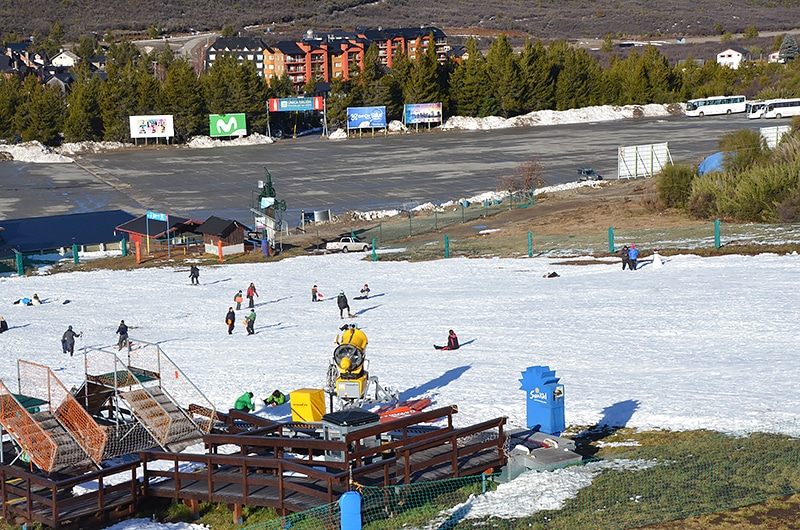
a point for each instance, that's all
(501, 82)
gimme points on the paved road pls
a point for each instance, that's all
(311, 173)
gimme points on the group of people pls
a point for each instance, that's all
(29, 301)
(244, 402)
(630, 257)
(341, 300)
(249, 320)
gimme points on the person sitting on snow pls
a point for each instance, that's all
(275, 399)
(452, 342)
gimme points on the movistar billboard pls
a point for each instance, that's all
(227, 125)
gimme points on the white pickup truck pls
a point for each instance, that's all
(346, 244)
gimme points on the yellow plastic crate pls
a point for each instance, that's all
(308, 404)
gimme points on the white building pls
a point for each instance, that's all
(733, 57)
(65, 58)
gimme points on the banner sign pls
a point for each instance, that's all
(227, 125)
(156, 216)
(152, 126)
(423, 113)
(366, 117)
(292, 104)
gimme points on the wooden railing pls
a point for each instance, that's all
(39, 499)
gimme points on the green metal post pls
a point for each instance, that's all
(611, 239)
(374, 255)
(75, 254)
(462, 212)
(485, 209)
(436, 220)
(716, 233)
(124, 246)
(530, 244)
(20, 265)
(410, 228)
(446, 246)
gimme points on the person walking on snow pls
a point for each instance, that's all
(68, 340)
(3, 325)
(343, 304)
(238, 297)
(230, 319)
(315, 294)
(250, 321)
(251, 292)
(452, 342)
(122, 331)
(194, 274)
(633, 255)
(245, 402)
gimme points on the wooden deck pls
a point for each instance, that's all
(289, 472)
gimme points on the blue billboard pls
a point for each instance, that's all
(423, 113)
(366, 117)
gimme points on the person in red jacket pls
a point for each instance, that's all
(452, 342)
(251, 292)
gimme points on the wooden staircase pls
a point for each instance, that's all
(168, 424)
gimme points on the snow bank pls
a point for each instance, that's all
(206, 142)
(34, 152)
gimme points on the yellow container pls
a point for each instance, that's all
(308, 404)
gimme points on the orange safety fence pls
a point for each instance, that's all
(40, 382)
(24, 428)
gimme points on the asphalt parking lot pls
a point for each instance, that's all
(312, 173)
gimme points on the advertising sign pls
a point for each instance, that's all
(227, 125)
(152, 126)
(366, 117)
(292, 104)
(423, 113)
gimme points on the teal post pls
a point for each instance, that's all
(446, 246)
(716, 233)
(462, 212)
(374, 255)
(530, 244)
(436, 220)
(410, 228)
(611, 239)
(75, 254)
(20, 265)
(485, 209)
(124, 246)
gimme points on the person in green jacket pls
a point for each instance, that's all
(245, 402)
(276, 398)
(250, 321)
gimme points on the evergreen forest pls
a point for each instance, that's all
(500, 82)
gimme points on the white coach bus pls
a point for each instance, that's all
(716, 105)
(781, 108)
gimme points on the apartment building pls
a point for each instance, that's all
(324, 57)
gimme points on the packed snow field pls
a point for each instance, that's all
(698, 343)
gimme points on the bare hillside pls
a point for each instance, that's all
(545, 19)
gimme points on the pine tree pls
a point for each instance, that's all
(538, 84)
(788, 49)
(578, 83)
(183, 98)
(43, 113)
(468, 82)
(423, 84)
(10, 101)
(83, 121)
(504, 77)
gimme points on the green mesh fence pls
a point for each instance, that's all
(698, 473)
(503, 241)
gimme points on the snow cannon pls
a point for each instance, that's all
(348, 378)
(349, 358)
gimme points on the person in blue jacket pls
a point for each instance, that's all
(633, 255)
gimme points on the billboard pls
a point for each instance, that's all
(423, 113)
(366, 117)
(636, 161)
(152, 126)
(292, 104)
(227, 125)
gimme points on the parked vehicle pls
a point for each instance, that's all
(346, 244)
(587, 173)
